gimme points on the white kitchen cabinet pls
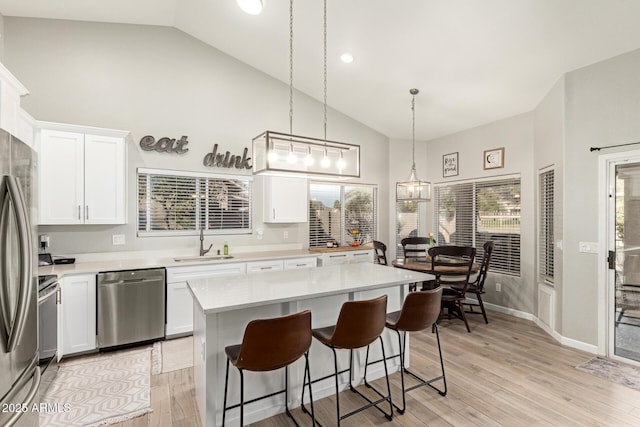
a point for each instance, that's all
(179, 299)
(269, 265)
(306, 262)
(346, 257)
(78, 314)
(285, 200)
(82, 176)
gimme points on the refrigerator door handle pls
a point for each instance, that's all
(34, 371)
(4, 278)
(25, 261)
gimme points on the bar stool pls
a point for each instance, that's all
(420, 311)
(267, 345)
(359, 324)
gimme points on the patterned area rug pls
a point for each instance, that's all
(176, 353)
(613, 371)
(106, 388)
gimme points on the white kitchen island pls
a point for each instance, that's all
(225, 305)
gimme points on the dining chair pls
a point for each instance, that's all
(415, 247)
(380, 252)
(455, 287)
(477, 286)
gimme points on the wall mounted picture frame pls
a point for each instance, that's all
(494, 158)
(450, 165)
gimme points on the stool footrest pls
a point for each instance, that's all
(371, 403)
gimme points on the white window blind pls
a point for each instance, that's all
(472, 213)
(171, 203)
(407, 220)
(545, 226)
(342, 213)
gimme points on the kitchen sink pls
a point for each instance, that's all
(203, 258)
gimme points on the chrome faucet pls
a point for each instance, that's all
(203, 251)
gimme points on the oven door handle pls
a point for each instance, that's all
(53, 292)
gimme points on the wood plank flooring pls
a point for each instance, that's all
(506, 373)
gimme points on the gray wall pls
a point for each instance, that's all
(159, 81)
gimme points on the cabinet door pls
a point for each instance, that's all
(271, 265)
(104, 180)
(179, 309)
(61, 177)
(336, 258)
(285, 200)
(78, 313)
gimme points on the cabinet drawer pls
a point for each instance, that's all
(182, 274)
(362, 256)
(271, 265)
(308, 262)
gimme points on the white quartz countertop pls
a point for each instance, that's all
(219, 294)
(135, 263)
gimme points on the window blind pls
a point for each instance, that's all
(171, 203)
(545, 226)
(342, 213)
(472, 213)
(407, 221)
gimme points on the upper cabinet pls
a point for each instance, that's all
(285, 199)
(82, 175)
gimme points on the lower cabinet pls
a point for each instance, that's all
(77, 314)
(270, 265)
(346, 257)
(307, 262)
(179, 299)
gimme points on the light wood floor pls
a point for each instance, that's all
(506, 373)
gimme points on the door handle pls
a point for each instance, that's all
(4, 278)
(86, 213)
(611, 260)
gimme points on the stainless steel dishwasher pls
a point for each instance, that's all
(131, 306)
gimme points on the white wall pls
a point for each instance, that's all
(159, 81)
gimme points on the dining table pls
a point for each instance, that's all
(423, 265)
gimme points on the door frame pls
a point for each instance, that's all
(606, 222)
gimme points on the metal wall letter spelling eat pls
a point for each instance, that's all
(164, 145)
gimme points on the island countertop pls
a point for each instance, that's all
(219, 294)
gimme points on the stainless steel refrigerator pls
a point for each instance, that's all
(19, 372)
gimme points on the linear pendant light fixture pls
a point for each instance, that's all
(277, 153)
(413, 190)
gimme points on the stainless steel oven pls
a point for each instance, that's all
(48, 300)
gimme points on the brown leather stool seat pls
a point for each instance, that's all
(267, 345)
(359, 324)
(420, 311)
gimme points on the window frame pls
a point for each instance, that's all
(199, 209)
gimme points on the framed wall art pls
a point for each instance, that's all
(494, 158)
(450, 165)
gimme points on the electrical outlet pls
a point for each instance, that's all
(498, 287)
(286, 235)
(118, 239)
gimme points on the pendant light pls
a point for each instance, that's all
(277, 153)
(413, 190)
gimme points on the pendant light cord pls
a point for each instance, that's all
(413, 137)
(325, 69)
(290, 67)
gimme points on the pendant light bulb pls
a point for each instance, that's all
(325, 163)
(272, 156)
(291, 159)
(341, 163)
(308, 160)
(252, 7)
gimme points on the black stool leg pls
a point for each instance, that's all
(402, 345)
(241, 397)
(335, 362)
(226, 384)
(386, 374)
(286, 393)
(444, 378)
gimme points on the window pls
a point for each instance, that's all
(342, 213)
(471, 213)
(174, 203)
(407, 220)
(545, 237)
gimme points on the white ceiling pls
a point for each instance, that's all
(474, 61)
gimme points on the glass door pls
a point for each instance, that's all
(625, 260)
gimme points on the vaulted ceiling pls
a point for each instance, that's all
(474, 61)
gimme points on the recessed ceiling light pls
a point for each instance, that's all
(346, 58)
(252, 7)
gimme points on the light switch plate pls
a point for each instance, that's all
(118, 239)
(588, 247)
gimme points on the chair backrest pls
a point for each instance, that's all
(360, 323)
(380, 250)
(459, 256)
(420, 310)
(270, 344)
(415, 247)
(484, 267)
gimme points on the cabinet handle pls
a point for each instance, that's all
(300, 265)
(274, 213)
(79, 207)
(337, 256)
(266, 268)
(86, 215)
(59, 295)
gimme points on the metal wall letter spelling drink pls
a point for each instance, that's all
(164, 145)
(227, 160)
